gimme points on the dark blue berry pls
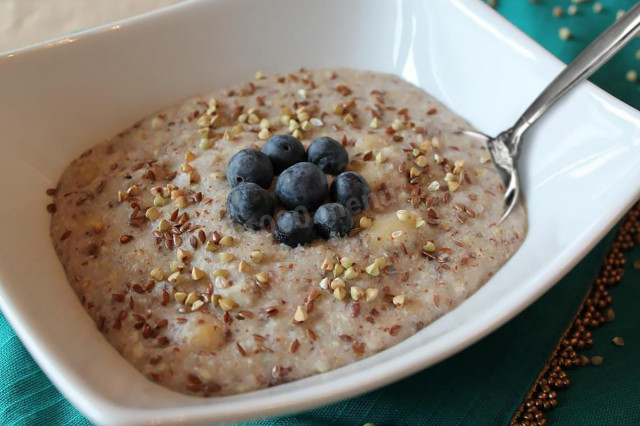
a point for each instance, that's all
(251, 205)
(351, 190)
(294, 228)
(328, 154)
(302, 185)
(332, 220)
(250, 165)
(284, 151)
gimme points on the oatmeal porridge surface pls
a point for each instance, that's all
(203, 306)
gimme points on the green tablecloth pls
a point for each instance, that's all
(487, 382)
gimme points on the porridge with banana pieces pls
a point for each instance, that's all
(279, 228)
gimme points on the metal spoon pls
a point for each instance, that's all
(505, 148)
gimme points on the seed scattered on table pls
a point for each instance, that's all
(610, 315)
(597, 7)
(618, 341)
(632, 76)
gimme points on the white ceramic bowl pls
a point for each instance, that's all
(581, 167)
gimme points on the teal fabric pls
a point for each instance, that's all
(610, 393)
(535, 18)
(485, 383)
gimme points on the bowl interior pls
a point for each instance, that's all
(580, 166)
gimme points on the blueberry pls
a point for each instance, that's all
(333, 220)
(294, 228)
(251, 205)
(328, 154)
(302, 185)
(284, 151)
(249, 165)
(351, 190)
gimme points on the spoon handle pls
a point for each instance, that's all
(591, 58)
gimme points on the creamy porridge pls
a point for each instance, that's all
(202, 305)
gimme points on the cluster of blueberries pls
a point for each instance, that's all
(301, 188)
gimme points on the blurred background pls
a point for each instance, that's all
(26, 22)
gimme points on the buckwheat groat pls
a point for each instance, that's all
(203, 305)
